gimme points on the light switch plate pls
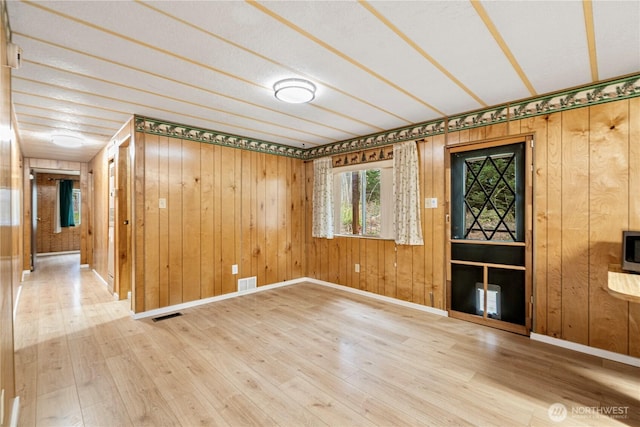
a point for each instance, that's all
(162, 203)
(431, 202)
(234, 269)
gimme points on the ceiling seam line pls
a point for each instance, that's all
(587, 7)
(414, 45)
(484, 16)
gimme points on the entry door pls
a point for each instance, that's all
(489, 274)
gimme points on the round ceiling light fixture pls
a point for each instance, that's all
(295, 91)
(66, 141)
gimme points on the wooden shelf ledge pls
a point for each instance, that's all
(623, 285)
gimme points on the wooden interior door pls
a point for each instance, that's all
(489, 279)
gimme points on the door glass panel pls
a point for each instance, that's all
(487, 202)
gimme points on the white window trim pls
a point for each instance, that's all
(386, 194)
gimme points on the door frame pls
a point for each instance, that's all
(123, 255)
(528, 140)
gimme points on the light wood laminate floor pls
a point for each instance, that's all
(293, 356)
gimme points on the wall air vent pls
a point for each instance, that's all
(166, 316)
(247, 283)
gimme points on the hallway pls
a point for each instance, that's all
(66, 322)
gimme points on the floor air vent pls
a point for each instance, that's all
(246, 284)
(166, 316)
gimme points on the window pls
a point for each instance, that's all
(363, 200)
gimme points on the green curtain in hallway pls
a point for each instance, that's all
(66, 203)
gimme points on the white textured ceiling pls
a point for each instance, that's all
(89, 65)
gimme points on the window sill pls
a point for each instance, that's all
(357, 236)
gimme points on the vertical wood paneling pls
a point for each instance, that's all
(390, 269)
(139, 290)
(382, 264)
(496, 131)
(419, 273)
(404, 286)
(575, 220)
(608, 216)
(271, 220)
(228, 216)
(310, 245)
(253, 207)
(152, 224)
(362, 260)
(247, 217)
(206, 221)
(554, 225)
(426, 155)
(477, 134)
(174, 207)
(371, 275)
(283, 202)
(218, 207)
(237, 220)
(634, 212)
(261, 220)
(163, 244)
(439, 226)
(191, 208)
(296, 224)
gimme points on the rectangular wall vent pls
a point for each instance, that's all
(247, 283)
(166, 316)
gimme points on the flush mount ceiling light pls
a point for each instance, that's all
(295, 91)
(66, 141)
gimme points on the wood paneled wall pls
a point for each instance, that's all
(10, 229)
(224, 206)
(586, 182)
(47, 241)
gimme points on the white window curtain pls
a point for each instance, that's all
(56, 210)
(406, 191)
(323, 198)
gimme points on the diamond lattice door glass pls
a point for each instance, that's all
(488, 249)
(488, 202)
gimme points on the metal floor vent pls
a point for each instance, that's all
(166, 316)
(248, 283)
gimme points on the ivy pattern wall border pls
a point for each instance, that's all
(159, 127)
(614, 90)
